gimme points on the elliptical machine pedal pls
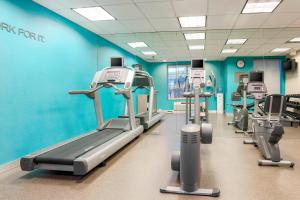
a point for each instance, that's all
(286, 163)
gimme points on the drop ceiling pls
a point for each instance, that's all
(155, 22)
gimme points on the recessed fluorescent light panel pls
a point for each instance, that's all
(297, 39)
(192, 22)
(137, 44)
(260, 6)
(94, 13)
(194, 36)
(196, 47)
(236, 41)
(229, 50)
(149, 53)
(279, 50)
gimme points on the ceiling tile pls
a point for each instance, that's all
(255, 41)
(295, 46)
(251, 46)
(216, 42)
(111, 2)
(218, 35)
(167, 36)
(289, 33)
(185, 8)
(72, 15)
(138, 25)
(277, 41)
(241, 33)
(296, 23)
(223, 7)
(175, 44)
(213, 48)
(211, 53)
(165, 24)
(221, 21)
(266, 33)
(251, 20)
(157, 9)
(76, 3)
(112, 26)
(148, 37)
(124, 11)
(277, 20)
(52, 5)
(163, 34)
(288, 6)
(197, 54)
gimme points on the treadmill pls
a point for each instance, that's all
(143, 80)
(81, 154)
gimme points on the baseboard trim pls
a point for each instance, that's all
(9, 166)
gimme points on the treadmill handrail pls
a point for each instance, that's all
(86, 92)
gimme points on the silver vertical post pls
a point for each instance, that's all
(187, 110)
(131, 111)
(270, 108)
(245, 99)
(197, 105)
(206, 108)
(125, 110)
(98, 109)
(151, 100)
(190, 107)
(256, 108)
(281, 106)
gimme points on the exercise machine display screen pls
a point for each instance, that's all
(116, 62)
(197, 63)
(256, 77)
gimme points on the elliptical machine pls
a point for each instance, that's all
(240, 112)
(267, 122)
(187, 161)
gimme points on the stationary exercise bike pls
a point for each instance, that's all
(268, 122)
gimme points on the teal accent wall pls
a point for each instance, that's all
(224, 72)
(231, 69)
(231, 85)
(35, 77)
(159, 73)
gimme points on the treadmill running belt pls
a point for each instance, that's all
(67, 153)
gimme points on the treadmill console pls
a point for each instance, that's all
(197, 77)
(257, 89)
(115, 75)
(256, 85)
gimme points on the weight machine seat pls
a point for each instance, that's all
(67, 153)
(275, 107)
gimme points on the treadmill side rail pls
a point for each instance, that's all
(85, 163)
(91, 159)
(27, 162)
(155, 118)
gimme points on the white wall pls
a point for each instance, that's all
(292, 78)
(271, 69)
